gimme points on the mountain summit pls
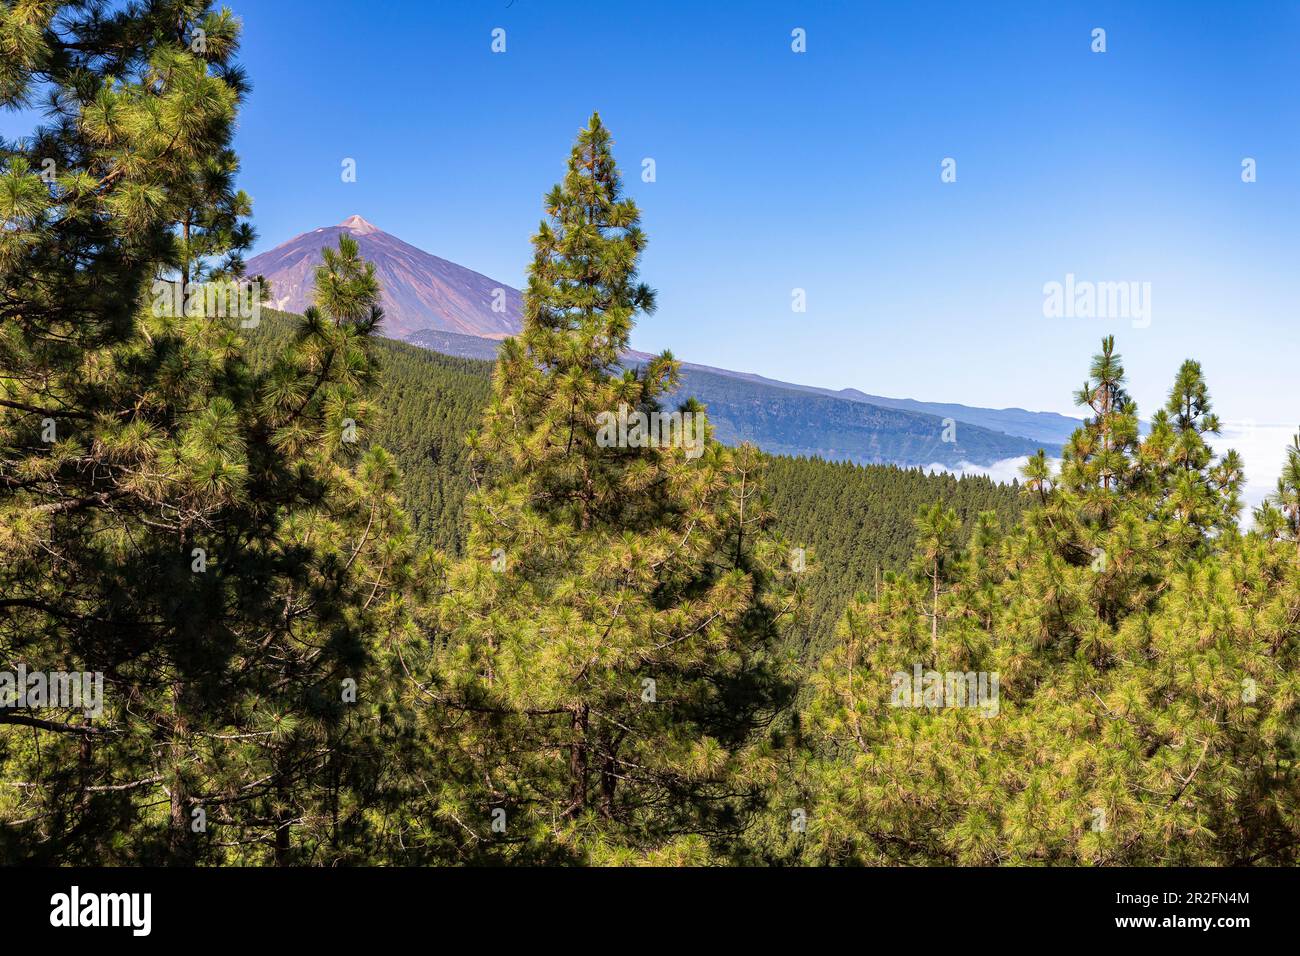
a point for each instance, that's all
(358, 226)
(419, 290)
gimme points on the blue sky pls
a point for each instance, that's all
(821, 171)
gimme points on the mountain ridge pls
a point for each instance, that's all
(437, 304)
(1047, 430)
(790, 420)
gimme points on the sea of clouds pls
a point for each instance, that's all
(1262, 448)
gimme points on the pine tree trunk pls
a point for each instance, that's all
(282, 822)
(578, 768)
(185, 266)
(180, 849)
(609, 779)
(934, 614)
(608, 784)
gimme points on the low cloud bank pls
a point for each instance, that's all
(1262, 448)
(1003, 472)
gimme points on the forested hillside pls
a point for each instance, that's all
(858, 522)
(427, 404)
(855, 521)
(790, 421)
(844, 426)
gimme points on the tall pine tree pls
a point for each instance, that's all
(212, 539)
(605, 650)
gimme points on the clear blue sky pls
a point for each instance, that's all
(821, 171)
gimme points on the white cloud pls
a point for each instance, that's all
(1003, 471)
(1262, 448)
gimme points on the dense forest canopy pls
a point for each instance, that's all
(348, 602)
(854, 522)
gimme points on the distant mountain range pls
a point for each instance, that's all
(1037, 426)
(436, 304)
(838, 426)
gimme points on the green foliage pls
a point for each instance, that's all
(202, 534)
(606, 645)
(1147, 708)
(425, 403)
(1279, 517)
(607, 662)
(854, 521)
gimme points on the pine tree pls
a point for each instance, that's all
(1097, 462)
(1176, 456)
(210, 539)
(936, 548)
(91, 408)
(606, 643)
(1147, 708)
(1280, 514)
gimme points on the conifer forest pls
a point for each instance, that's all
(279, 588)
